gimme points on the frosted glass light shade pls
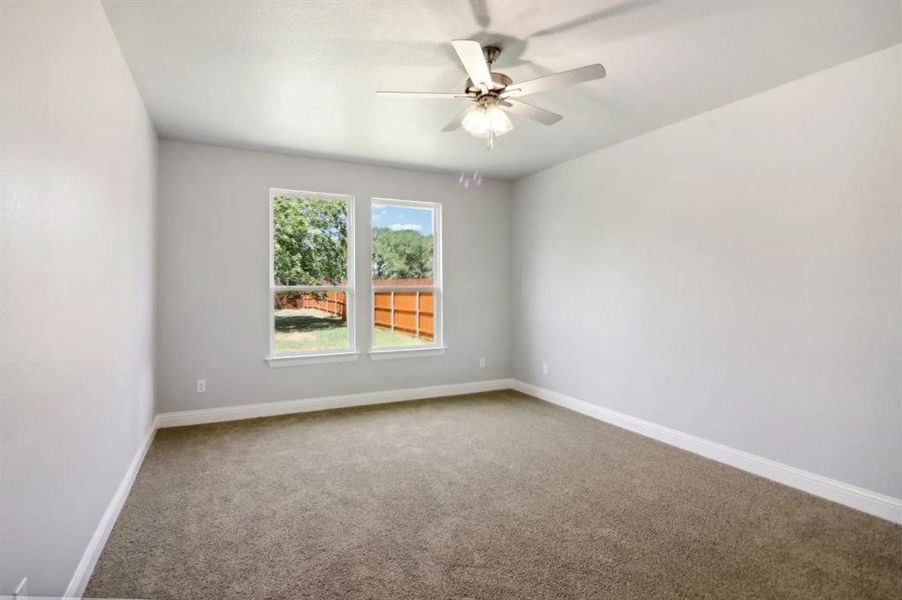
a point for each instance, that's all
(483, 121)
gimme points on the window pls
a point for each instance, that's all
(407, 276)
(312, 275)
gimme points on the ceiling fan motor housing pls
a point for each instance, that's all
(500, 79)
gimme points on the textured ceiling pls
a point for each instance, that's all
(300, 77)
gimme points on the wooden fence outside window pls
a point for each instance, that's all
(411, 312)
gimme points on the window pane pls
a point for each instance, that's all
(403, 319)
(307, 321)
(402, 245)
(310, 241)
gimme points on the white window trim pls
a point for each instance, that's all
(407, 352)
(437, 347)
(293, 360)
(349, 353)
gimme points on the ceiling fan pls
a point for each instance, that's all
(494, 93)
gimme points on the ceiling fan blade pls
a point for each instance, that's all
(434, 95)
(522, 109)
(556, 80)
(470, 54)
(454, 125)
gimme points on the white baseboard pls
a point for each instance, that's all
(85, 567)
(880, 505)
(269, 409)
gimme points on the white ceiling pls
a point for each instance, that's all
(300, 77)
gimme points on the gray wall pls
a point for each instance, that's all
(76, 285)
(735, 276)
(213, 319)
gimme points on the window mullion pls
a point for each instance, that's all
(309, 288)
(404, 288)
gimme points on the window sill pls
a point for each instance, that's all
(311, 359)
(407, 353)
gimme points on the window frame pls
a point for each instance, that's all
(437, 347)
(348, 353)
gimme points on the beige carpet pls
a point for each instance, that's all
(490, 496)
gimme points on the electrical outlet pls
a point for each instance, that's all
(22, 589)
(201, 385)
(544, 368)
(482, 363)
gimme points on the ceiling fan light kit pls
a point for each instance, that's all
(495, 94)
(487, 121)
